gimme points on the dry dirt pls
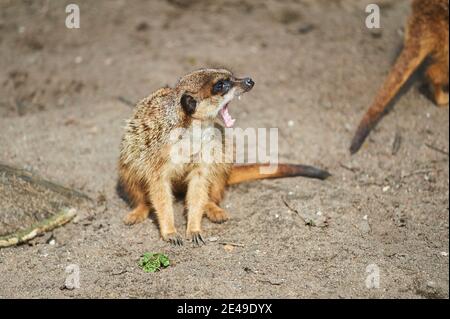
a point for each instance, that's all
(316, 69)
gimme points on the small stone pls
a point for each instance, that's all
(431, 284)
(386, 188)
(228, 248)
(213, 239)
(290, 123)
(78, 59)
(364, 227)
(445, 254)
(142, 26)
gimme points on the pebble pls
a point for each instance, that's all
(364, 227)
(228, 248)
(431, 284)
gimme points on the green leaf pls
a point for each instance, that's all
(152, 262)
(164, 260)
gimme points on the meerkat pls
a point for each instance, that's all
(150, 177)
(426, 36)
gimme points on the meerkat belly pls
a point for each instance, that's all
(178, 176)
(181, 174)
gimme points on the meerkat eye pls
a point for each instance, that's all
(218, 87)
(222, 86)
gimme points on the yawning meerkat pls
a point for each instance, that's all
(150, 176)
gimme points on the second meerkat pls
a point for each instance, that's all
(426, 36)
(150, 176)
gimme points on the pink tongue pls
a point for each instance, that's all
(228, 120)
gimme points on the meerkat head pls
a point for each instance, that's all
(206, 93)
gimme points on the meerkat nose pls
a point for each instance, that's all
(249, 83)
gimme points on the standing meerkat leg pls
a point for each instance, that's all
(162, 200)
(196, 199)
(213, 211)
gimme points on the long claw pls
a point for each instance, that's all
(176, 240)
(198, 240)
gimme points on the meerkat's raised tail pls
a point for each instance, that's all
(409, 60)
(251, 172)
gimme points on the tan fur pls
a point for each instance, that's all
(146, 171)
(150, 177)
(426, 36)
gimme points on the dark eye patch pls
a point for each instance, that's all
(221, 87)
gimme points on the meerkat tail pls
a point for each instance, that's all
(251, 172)
(410, 58)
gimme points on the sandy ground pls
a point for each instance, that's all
(314, 63)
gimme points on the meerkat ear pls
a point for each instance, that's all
(188, 103)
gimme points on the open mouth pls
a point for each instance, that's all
(226, 117)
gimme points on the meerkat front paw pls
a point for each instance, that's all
(196, 238)
(216, 214)
(173, 238)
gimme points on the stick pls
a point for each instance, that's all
(231, 244)
(64, 216)
(353, 170)
(397, 143)
(434, 148)
(293, 210)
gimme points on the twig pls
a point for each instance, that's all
(121, 272)
(293, 210)
(272, 282)
(397, 143)
(353, 170)
(231, 244)
(434, 148)
(418, 172)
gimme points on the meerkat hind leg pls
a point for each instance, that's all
(437, 74)
(141, 210)
(213, 211)
(137, 215)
